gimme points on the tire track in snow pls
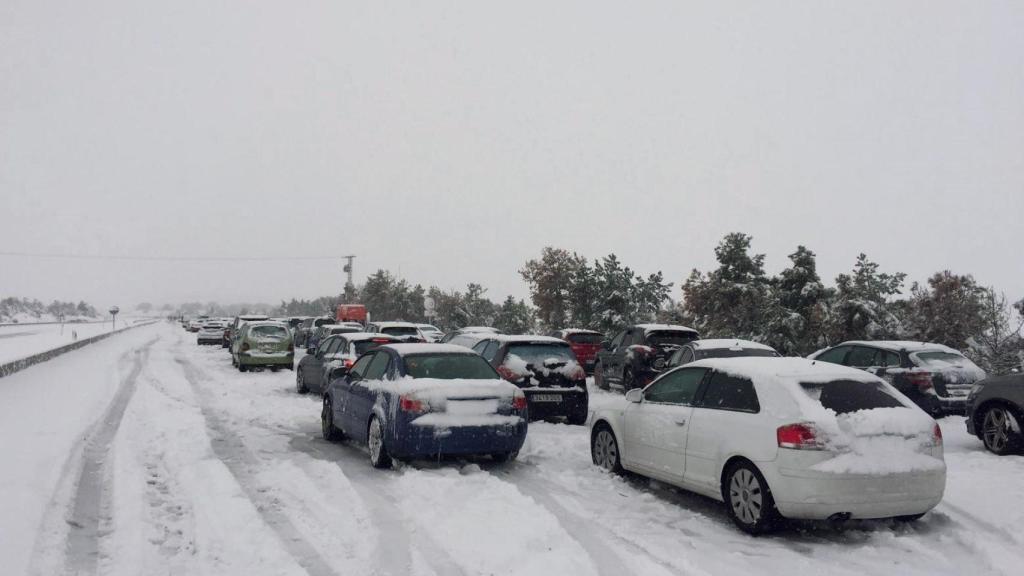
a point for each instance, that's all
(87, 511)
(243, 465)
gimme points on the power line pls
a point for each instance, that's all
(165, 258)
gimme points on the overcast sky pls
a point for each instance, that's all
(451, 141)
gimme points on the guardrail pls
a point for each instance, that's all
(22, 363)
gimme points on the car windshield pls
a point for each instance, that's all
(942, 359)
(269, 332)
(400, 331)
(538, 354)
(733, 353)
(585, 338)
(844, 396)
(449, 367)
(364, 346)
(670, 337)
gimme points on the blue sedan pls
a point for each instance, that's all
(408, 401)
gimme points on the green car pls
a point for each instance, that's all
(263, 344)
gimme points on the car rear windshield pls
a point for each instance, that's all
(844, 396)
(322, 321)
(449, 367)
(343, 330)
(537, 354)
(733, 353)
(269, 332)
(676, 337)
(364, 346)
(585, 338)
(942, 359)
(400, 330)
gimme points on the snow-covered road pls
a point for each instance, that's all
(22, 340)
(146, 454)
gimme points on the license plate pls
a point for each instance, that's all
(546, 398)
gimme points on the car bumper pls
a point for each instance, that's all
(437, 439)
(541, 402)
(266, 359)
(811, 495)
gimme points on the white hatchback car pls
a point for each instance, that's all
(778, 437)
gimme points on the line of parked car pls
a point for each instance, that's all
(845, 433)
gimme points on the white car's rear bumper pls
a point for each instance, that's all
(812, 495)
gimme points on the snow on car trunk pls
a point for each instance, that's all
(456, 402)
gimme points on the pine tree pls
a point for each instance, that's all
(862, 309)
(948, 310)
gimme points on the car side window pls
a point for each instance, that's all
(725, 392)
(617, 341)
(491, 350)
(686, 356)
(892, 359)
(479, 347)
(378, 367)
(676, 387)
(359, 368)
(863, 357)
(835, 355)
(334, 345)
(636, 336)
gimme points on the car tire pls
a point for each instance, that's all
(909, 518)
(502, 457)
(628, 382)
(998, 424)
(379, 457)
(748, 498)
(300, 383)
(599, 380)
(328, 430)
(604, 449)
(242, 368)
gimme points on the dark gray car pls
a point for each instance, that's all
(995, 413)
(333, 351)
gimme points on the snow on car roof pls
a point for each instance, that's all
(252, 317)
(395, 324)
(898, 345)
(479, 329)
(267, 323)
(650, 327)
(357, 336)
(406, 349)
(802, 369)
(718, 343)
(528, 338)
(579, 331)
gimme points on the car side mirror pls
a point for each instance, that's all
(606, 344)
(338, 372)
(311, 350)
(635, 395)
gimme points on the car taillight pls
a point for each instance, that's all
(507, 374)
(381, 340)
(291, 347)
(519, 401)
(349, 362)
(578, 373)
(798, 437)
(923, 380)
(937, 435)
(245, 346)
(645, 349)
(411, 404)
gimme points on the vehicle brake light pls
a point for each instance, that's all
(579, 373)
(519, 401)
(507, 374)
(291, 347)
(937, 435)
(349, 362)
(381, 340)
(798, 437)
(411, 404)
(923, 380)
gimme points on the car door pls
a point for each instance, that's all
(324, 355)
(313, 368)
(364, 394)
(725, 415)
(612, 358)
(341, 393)
(656, 428)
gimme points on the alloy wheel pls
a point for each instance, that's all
(606, 452)
(375, 440)
(997, 429)
(746, 496)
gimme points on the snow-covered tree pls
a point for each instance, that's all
(551, 280)
(948, 310)
(863, 307)
(514, 317)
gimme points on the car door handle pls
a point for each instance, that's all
(681, 422)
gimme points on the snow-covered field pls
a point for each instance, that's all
(145, 454)
(21, 340)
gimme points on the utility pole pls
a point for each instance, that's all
(349, 286)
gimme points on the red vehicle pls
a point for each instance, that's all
(351, 313)
(584, 343)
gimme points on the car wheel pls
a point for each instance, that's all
(379, 457)
(748, 499)
(300, 383)
(241, 367)
(1000, 430)
(604, 449)
(275, 368)
(628, 382)
(599, 380)
(328, 430)
(505, 456)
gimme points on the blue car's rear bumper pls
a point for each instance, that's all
(429, 441)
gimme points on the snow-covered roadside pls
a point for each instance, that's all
(45, 412)
(24, 340)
